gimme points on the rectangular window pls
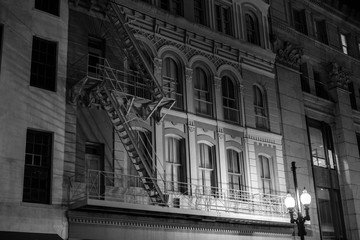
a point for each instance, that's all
(52, 6)
(320, 87)
(37, 172)
(174, 6)
(352, 95)
(96, 50)
(265, 175)
(305, 86)
(199, 11)
(236, 173)
(223, 19)
(358, 142)
(174, 153)
(202, 93)
(320, 31)
(329, 211)
(300, 21)
(344, 43)
(207, 169)
(321, 144)
(43, 64)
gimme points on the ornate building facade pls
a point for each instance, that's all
(171, 119)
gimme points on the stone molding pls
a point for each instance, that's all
(289, 54)
(338, 76)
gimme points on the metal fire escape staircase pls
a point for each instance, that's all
(112, 96)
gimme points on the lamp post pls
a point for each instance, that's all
(293, 206)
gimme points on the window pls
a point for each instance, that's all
(352, 95)
(48, 6)
(199, 12)
(321, 144)
(344, 43)
(94, 158)
(174, 157)
(229, 93)
(207, 169)
(172, 81)
(320, 31)
(266, 184)
(202, 92)
(329, 207)
(223, 19)
(260, 105)
(37, 172)
(174, 6)
(300, 21)
(320, 87)
(252, 29)
(358, 142)
(43, 64)
(305, 86)
(236, 172)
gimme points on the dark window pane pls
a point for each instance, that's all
(50, 6)
(43, 64)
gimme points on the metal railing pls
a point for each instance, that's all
(105, 186)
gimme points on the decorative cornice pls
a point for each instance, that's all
(338, 76)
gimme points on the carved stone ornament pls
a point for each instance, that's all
(217, 83)
(188, 74)
(191, 126)
(289, 55)
(338, 76)
(220, 132)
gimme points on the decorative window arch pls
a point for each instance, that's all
(252, 28)
(203, 99)
(260, 108)
(230, 99)
(172, 75)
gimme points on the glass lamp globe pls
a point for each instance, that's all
(305, 198)
(289, 201)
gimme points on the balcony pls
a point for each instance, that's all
(119, 192)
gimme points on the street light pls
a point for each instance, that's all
(290, 204)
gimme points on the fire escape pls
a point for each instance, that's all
(122, 106)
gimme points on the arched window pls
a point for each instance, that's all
(266, 175)
(175, 164)
(207, 169)
(202, 92)
(230, 96)
(252, 29)
(260, 107)
(236, 172)
(172, 81)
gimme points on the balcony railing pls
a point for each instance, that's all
(120, 188)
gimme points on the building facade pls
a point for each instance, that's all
(170, 119)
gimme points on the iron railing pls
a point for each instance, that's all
(105, 186)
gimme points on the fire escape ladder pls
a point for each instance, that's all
(133, 51)
(116, 111)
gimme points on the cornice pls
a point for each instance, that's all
(263, 137)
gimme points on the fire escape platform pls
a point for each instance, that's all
(161, 211)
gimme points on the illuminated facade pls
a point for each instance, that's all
(171, 119)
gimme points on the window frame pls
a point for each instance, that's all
(300, 21)
(252, 28)
(38, 64)
(174, 87)
(200, 15)
(320, 29)
(39, 169)
(39, 5)
(203, 97)
(271, 178)
(261, 111)
(240, 174)
(203, 169)
(226, 99)
(171, 6)
(344, 41)
(223, 23)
